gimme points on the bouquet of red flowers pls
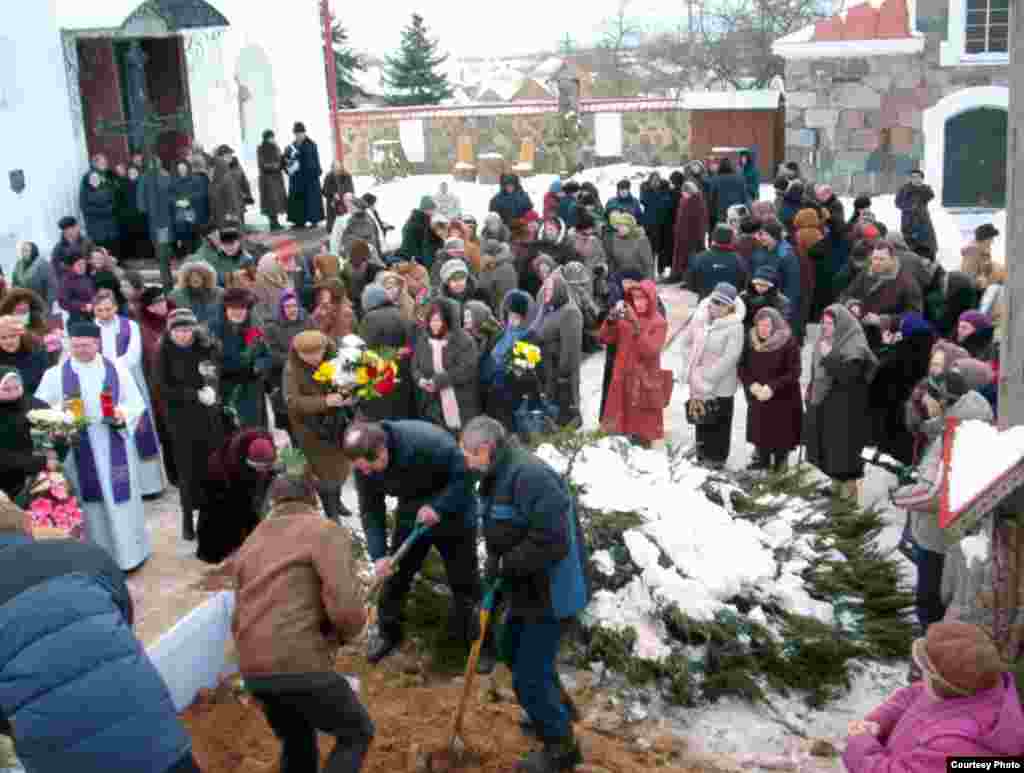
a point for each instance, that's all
(53, 508)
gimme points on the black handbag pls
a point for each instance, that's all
(700, 412)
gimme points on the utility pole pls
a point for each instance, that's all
(332, 77)
(1011, 360)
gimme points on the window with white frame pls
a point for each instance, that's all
(987, 30)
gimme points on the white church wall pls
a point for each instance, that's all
(35, 133)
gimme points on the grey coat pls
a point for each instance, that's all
(494, 282)
(631, 254)
(560, 335)
(461, 370)
(383, 328)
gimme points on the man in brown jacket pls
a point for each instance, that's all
(299, 599)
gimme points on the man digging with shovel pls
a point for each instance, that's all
(421, 465)
(535, 547)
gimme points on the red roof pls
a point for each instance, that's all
(865, 22)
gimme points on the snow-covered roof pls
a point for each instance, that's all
(504, 88)
(863, 28)
(548, 67)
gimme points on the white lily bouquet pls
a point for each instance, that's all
(56, 430)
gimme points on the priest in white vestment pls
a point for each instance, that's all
(121, 342)
(104, 466)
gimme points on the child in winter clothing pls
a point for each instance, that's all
(965, 706)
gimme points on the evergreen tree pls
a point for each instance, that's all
(567, 45)
(346, 63)
(411, 76)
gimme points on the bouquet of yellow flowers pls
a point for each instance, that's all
(523, 358)
(363, 373)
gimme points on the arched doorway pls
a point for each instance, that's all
(937, 119)
(974, 166)
(255, 79)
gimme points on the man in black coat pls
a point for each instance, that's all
(421, 465)
(305, 204)
(720, 263)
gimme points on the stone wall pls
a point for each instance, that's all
(867, 114)
(647, 138)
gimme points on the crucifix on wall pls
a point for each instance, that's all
(243, 95)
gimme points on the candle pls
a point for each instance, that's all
(107, 404)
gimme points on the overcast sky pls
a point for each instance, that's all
(490, 28)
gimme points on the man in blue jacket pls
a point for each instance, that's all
(511, 202)
(77, 691)
(720, 263)
(421, 465)
(775, 252)
(624, 201)
(535, 547)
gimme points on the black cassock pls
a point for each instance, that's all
(305, 203)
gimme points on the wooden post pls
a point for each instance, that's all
(1011, 388)
(332, 79)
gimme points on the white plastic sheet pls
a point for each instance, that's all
(411, 135)
(191, 655)
(608, 134)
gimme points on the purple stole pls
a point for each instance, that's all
(145, 435)
(85, 462)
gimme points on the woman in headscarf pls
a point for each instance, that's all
(21, 350)
(18, 459)
(332, 310)
(835, 426)
(770, 372)
(247, 360)
(277, 273)
(384, 328)
(446, 369)
(290, 320)
(640, 389)
(318, 416)
(558, 329)
(395, 287)
(691, 229)
(501, 389)
(478, 320)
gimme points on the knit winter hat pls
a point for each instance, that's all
(960, 659)
(517, 302)
(976, 319)
(620, 218)
(261, 454)
(427, 203)
(455, 246)
(151, 294)
(724, 294)
(451, 268)
(723, 234)
(181, 318)
(862, 202)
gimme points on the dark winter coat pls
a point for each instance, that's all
(305, 204)
(195, 428)
(361, 225)
(35, 273)
(76, 292)
(273, 197)
(461, 370)
(425, 467)
(18, 459)
(901, 366)
(891, 296)
(752, 176)
(727, 190)
(244, 371)
(195, 189)
(559, 332)
(915, 221)
(335, 188)
(657, 206)
(630, 254)
(155, 200)
(204, 303)
(835, 430)
(787, 265)
(99, 213)
(510, 206)
(531, 525)
(384, 328)
(419, 242)
(498, 276)
(773, 425)
(31, 360)
(691, 229)
(961, 295)
(77, 687)
(130, 217)
(280, 333)
(718, 264)
(226, 200)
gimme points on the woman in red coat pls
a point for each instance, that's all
(690, 229)
(640, 389)
(770, 372)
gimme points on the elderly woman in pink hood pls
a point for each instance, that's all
(965, 706)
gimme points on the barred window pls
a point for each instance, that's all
(988, 27)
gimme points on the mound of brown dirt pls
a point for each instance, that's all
(230, 734)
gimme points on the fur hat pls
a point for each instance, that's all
(959, 659)
(183, 317)
(985, 232)
(236, 297)
(309, 341)
(724, 294)
(451, 268)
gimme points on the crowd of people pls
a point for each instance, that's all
(187, 382)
